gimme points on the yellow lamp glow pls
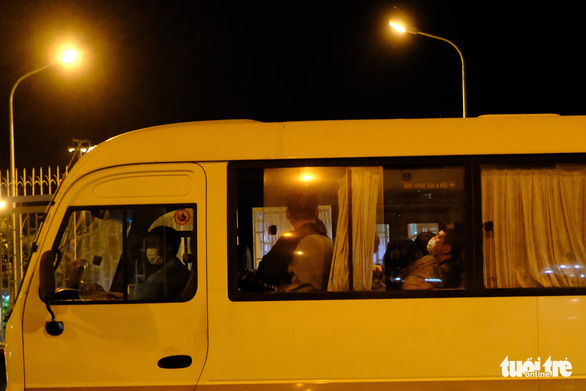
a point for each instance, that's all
(69, 56)
(398, 27)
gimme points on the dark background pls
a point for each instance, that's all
(148, 63)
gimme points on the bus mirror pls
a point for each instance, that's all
(47, 290)
(47, 276)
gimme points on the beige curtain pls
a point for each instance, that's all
(539, 218)
(366, 182)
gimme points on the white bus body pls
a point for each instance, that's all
(220, 336)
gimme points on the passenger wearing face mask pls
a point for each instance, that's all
(169, 281)
(441, 268)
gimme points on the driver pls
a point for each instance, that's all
(168, 282)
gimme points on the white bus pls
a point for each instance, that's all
(152, 266)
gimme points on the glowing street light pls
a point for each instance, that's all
(403, 28)
(67, 57)
(80, 147)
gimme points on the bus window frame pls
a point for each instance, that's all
(474, 276)
(194, 236)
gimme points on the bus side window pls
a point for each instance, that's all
(534, 234)
(126, 254)
(354, 217)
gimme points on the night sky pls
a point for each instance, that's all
(149, 62)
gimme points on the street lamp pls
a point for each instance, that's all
(67, 57)
(402, 28)
(80, 146)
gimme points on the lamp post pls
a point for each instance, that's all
(68, 56)
(401, 28)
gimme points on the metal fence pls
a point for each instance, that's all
(35, 182)
(21, 215)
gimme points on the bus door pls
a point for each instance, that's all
(124, 260)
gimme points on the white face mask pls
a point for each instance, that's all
(431, 245)
(153, 256)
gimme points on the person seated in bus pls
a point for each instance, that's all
(400, 254)
(300, 260)
(441, 268)
(169, 281)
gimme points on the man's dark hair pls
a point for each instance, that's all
(455, 238)
(168, 235)
(421, 241)
(302, 204)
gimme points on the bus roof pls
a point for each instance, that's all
(252, 140)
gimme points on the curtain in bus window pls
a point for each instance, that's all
(539, 227)
(366, 194)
